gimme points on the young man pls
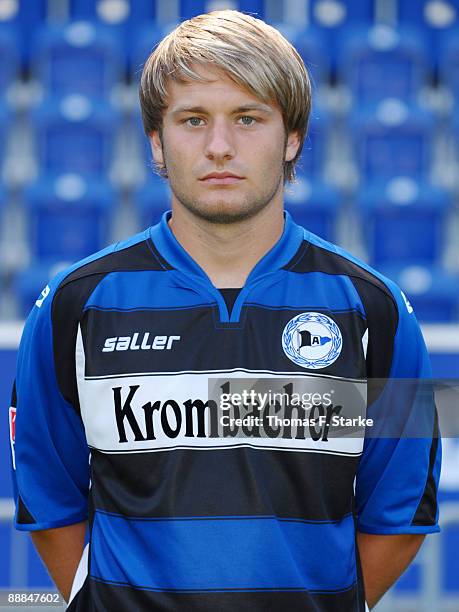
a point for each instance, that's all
(114, 423)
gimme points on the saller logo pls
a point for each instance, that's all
(137, 343)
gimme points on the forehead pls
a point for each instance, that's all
(216, 87)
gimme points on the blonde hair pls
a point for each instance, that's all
(252, 53)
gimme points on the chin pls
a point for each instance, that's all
(225, 212)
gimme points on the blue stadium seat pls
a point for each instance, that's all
(392, 139)
(80, 57)
(404, 221)
(432, 291)
(75, 134)
(381, 62)
(30, 282)
(190, 8)
(110, 12)
(5, 122)
(147, 37)
(315, 149)
(68, 216)
(9, 59)
(435, 18)
(23, 19)
(151, 200)
(449, 64)
(314, 205)
(310, 45)
(334, 17)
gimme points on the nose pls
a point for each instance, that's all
(219, 145)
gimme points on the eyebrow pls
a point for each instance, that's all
(264, 108)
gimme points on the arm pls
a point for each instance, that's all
(61, 550)
(384, 558)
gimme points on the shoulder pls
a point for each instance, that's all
(71, 287)
(379, 295)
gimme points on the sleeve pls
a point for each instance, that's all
(397, 478)
(50, 456)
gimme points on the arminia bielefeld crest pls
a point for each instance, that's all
(312, 340)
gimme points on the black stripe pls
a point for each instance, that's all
(426, 512)
(23, 516)
(105, 597)
(255, 344)
(14, 397)
(231, 482)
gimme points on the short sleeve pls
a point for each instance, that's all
(50, 456)
(397, 478)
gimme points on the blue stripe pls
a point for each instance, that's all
(320, 291)
(235, 553)
(144, 289)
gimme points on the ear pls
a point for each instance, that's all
(293, 144)
(156, 147)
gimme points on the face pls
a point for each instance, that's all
(223, 149)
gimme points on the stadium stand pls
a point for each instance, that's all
(9, 59)
(392, 138)
(315, 205)
(80, 58)
(378, 173)
(404, 221)
(449, 64)
(434, 293)
(75, 134)
(68, 216)
(382, 62)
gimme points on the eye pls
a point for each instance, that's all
(247, 120)
(194, 121)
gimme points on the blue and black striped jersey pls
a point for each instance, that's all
(113, 426)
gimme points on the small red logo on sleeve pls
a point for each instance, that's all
(13, 433)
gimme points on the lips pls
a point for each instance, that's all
(221, 178)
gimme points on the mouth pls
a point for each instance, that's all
(221, 178)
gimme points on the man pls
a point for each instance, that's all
(114, 423)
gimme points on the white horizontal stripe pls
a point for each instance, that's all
(228, 447)
(230, 371)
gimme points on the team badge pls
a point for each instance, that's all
(312, 340)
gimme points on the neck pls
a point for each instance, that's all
(227, 252)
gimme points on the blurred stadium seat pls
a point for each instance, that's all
(68, 216)
(392, 139)
(310, 45)
(333, 17)
(80, 57)
(151, 200)
(75, 134)
(435, 18)
(316, 144)
(30, 282)
(449, 64)
(432, 291)
(315, 205)
(381, 62)
(404, 221)
(22, 19)
(9, 59)
(5, 124)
